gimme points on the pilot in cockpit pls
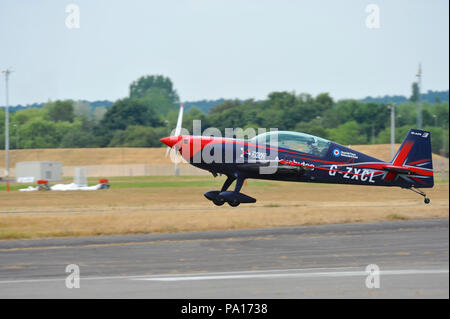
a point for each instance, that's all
(312, 145)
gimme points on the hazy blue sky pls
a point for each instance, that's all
(230, 49)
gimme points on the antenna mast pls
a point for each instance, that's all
(419, 102)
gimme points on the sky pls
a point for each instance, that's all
(222, 49)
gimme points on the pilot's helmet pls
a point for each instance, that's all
(312, 142)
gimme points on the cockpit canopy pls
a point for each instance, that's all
(300, 142)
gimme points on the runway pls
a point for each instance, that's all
(326, 261)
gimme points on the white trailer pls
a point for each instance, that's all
(33, 171)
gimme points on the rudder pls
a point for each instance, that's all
(415, 153)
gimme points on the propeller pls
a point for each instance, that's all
(174, 155)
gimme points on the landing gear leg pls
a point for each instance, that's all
(239, 183)
(233, 202)
(219, 201)
(418, 191)
(228, 182)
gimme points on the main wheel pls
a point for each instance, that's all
(234, 203)
(218, 202)
(426, 200)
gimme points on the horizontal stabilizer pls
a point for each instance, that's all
(396, 169)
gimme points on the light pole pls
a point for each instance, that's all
(391, 106)
(6, 72)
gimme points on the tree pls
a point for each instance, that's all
(23, 116)
(126, 112)
(347, 134)
(159, 101)
(384, 137)
(157, 92)
(38, 133)
(99, 113)
(142, 86)
(325, 100)
(59, 111)
(2, 119)
(437, 134)
(82, 109)
(313, 127)
(137, 136)
(225, 105)
(77, 138)
(442, 112)
(281, 100)
(2, 128)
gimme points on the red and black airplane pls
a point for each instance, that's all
(299, 157)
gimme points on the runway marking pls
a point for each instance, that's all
(268, 275)
(145, 276)
(251, 274)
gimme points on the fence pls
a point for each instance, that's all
(129, 170)
(441, 170)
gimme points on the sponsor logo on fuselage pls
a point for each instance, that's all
(294, 162)
(349, 154)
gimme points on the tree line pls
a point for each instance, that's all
(150, 112)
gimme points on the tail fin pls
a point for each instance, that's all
(415, 155)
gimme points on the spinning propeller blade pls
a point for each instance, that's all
(176, 134)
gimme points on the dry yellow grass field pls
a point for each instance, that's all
(127, 155)
(89, 156)
(175, 208)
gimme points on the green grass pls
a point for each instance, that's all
(271, 205)
(14, 186)
(397, 217)
(14, 235)
(159, 184)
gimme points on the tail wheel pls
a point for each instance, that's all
(418, 191)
